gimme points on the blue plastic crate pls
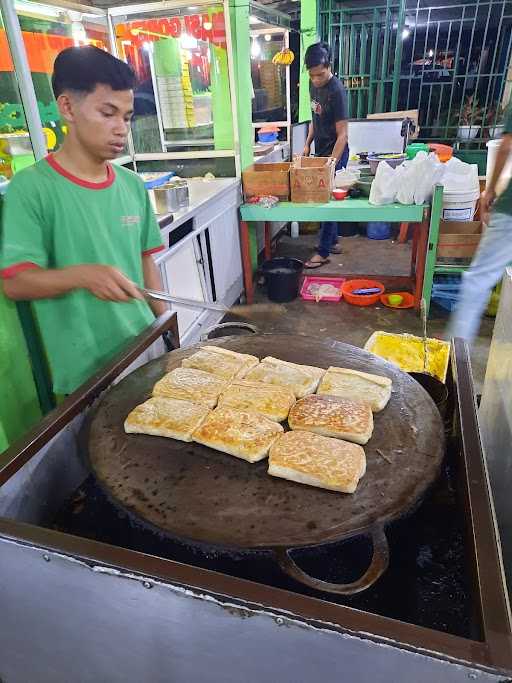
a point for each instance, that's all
(445, 291)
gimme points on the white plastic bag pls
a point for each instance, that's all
(384, 186)
(459, 176)
(419, 178)
(430, 173)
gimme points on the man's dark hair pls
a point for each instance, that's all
(318, 54)
(83, 68)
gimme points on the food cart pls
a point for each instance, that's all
(96, 586)
(91, 589)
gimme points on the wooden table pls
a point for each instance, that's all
(346, 211)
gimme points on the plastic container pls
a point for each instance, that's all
(267, 137)
(365, 185)
(345, 179)
(378, 231)
(312, 280)
(506, 174)
(415, 147)
(443, 152)
(282, 278)
(408, 352)
(361, 299)
(152, 180)
(393, 160)
(460, 206)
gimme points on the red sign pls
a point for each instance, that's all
(207, 27)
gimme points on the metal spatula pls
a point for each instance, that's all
(191, 303)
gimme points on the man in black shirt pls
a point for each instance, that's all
(328, 128)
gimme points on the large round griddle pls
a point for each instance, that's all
(205, 497)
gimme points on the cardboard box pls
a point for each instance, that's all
(262, 179)
(312, 179)
(458, 242)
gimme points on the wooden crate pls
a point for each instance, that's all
(458, 241)
(259, 180)
(312, 179)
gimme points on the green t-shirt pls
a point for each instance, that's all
(53, 220)
(504, 202)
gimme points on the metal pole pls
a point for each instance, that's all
(24, 78)
(397, 66)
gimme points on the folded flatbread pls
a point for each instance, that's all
(318, 461)
(301, 379)
(358, 386)
(166, 417)
(333, 416)
(221, 362)
(189, 384)
(269, 400)
(240, 433)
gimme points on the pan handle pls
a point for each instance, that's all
(378, 565)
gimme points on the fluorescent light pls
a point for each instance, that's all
(187, 42)
(255, 48)
(431, 53)
(405, 33)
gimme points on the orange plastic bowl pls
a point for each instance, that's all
(407, 300)
(361, 299)
(444, 152)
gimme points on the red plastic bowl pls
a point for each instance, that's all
(339, 194)
(361, 299)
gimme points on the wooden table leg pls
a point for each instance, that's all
(421, 256)
(404, 230)
(414, 252)
(246, 261)
(268, 242)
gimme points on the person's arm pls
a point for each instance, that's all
(341, 140)
(309, 140)
(152, 280)
(105, 282)
(489, 194)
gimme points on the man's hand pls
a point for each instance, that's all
(105, 282)
(306, 151)
(486, 201)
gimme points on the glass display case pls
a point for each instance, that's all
(46, 29)
(183, 104)
(269, 31)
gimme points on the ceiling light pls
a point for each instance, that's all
(255, 48)
(405, 33)
(268, 37)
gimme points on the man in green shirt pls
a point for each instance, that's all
(494, 251)
(78, 233)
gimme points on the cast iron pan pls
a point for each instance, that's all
(207, 498)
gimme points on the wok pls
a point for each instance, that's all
(214, 501)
